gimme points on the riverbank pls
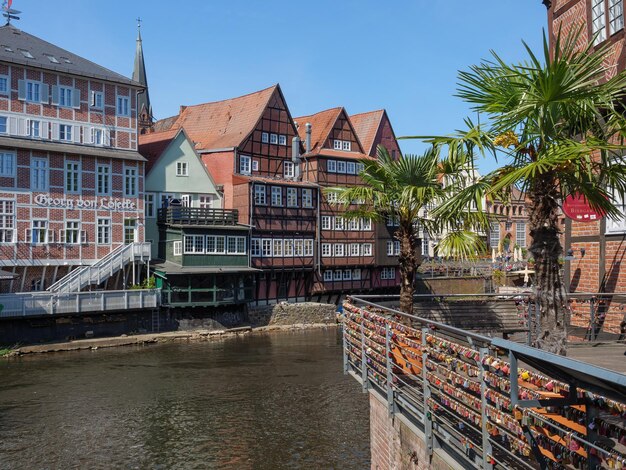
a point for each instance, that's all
(154, 338)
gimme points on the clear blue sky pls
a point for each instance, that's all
(402, 55)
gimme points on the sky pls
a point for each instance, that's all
(401, 55)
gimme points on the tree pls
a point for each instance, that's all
(559, 125)
(401, 188)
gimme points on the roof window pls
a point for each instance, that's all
(26, 54)
(53, 59)
(66, 60)
(7, 48)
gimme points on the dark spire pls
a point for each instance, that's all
(139, 75)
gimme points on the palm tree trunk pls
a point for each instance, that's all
(546, 250)
(409, 262)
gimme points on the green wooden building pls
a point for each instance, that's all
(201, 250)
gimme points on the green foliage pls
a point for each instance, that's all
(498, 277)
(148, 283)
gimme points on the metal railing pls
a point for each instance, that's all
(103, 269)
(33, 304)
(597, 317)
(486, 402)
(197, 216)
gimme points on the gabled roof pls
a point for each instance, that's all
(17, 47)
(222, 124)
(366, 126)
(152, 145)
(321, 125)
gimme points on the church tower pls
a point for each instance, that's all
(144, 109)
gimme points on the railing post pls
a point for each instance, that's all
(389, 364)
(126, 299)
(487, 450)
(428, 417)
(513, 378)
(365, 381)
(345, 344)
(592, 319)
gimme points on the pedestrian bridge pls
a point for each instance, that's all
(444, 397)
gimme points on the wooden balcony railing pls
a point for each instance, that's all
(197, 216)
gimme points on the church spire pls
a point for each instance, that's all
(139, 75)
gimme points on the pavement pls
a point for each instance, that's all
(608, 355)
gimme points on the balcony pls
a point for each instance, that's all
(198, 216)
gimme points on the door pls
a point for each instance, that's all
(130, 231)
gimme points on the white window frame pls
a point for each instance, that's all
(326, 219)
(245, 165)
(182, 168)
(97, 100)
(389, 247)
(331, 166)
(520, 234)
(298, 247)
(326, 250)
(130, 181)
(617, 225)
(122, 106)
(598, 21)
(66, 132)
(366, 224)
(289, 170)
(338, 249)
(288, 247)
(616, 16)
(366, 249)
(307, 198)
(308, 247)
(292, 197)
(339, 223)
(328, 276)
(331, 197)
(260, 195)
(359, 168)
(7, 221)
(355, 249)
(236, 245)
(347, 145)
(276, 194)
(266, 247)
(347, 274)
(255, 247)
(396, 248)
(177, 248)
(356, 274)
(282, 139)
(103, 231)
(494, 234)
(353, 225)
(255, 165)
(149, 205)
(265, 137)
(72, 234)
(277, 247)
(337, 275)
(205, 201)
(39, 232)
(33, 128)
(341, 166)
(194, 244)
(337, 144)
(274, 139)
(351, 168)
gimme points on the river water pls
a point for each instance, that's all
(275, 401)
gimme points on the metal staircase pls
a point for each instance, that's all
(103, 269)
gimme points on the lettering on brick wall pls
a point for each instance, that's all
(105, 203)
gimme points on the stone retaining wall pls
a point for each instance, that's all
(292, 314)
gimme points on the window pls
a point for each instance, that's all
(66, 97)
(337, 144)
(389, 248)
(177, 247)
(598, 20)
(326, 249)
(354, 249)
(616, 16)
(104, 231)
(260, 198)
(388, 273)
(193, 244)
(255, 165)
(325, 222)
(182, 169)
(236, 245)
(4, 85)
(366, 224)
(298, 247)
(331, 166)
(65, 132)
(33, 128)
(7, 221)
(277, 196)
(351, 168)
(338, 275)
(354, 224)
(97, 99)
(130, 182)
(366, 249)
(356, 274)
(308, 247)
(273, 139)
(331, 197)
(123, 106)
(103, 180)
(328, 276)
(265, 137)
(338, 249)
(425, 244)
(71, 235)
(289, 170)
(216, 244)
(338, 223)
(255, 247)
(359, 168)
(494, 235)
(39, 232)
(396, 248)
(347, 145)
(130, 231)
(148, 205)
(3, 125)
(292, 197)
(267, 247)
(205, 201)
(33, 91)
(72, 177)
(341, 167)
(347, 274)
(307, 198)
(282, 140)
(278, 247)
(288, 247)
(520, 234)
(97, 136)
(7, 164)
(619, 224)
(39, 174)
(244, 165)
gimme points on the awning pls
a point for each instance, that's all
(7, 276)
(168, 267)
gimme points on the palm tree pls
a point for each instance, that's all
(559, 125)
(401, 188)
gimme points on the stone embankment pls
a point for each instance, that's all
(263, 320)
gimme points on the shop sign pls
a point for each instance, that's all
(105, 203)
(576, 207)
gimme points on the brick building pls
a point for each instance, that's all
(598, 246)
(71, 180)
(511, 222)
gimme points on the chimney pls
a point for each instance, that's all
(182, 108)
(295, 156)
(307, 147)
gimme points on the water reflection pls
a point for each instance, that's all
(263, 402)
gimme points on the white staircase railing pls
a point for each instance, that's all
(103, 269)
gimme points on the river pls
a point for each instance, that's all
(273, 401)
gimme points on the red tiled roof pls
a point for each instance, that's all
(366, 126)
(152, 145)
(321, 125)
(223, 124)
(165, 124)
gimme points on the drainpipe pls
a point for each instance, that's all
(307, 148)
(318, 235)
(295, 157)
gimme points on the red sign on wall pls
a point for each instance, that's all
(576, 207)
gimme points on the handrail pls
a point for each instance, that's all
(198, 216)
